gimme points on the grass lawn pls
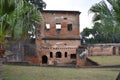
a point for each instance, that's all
(106, 60)
(11, 72)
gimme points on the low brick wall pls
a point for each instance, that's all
(103, 49)
(17, 63)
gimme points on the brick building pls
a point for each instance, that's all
(57, 39)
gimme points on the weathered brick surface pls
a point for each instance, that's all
(52, 41)
(63, 59)
(64, 18)
(81, 62)
(104, 49)
(63, 41)
(55, 46)
(32, 60)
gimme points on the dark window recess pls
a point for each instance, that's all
(32, 40)
(65, 54)
(44, 59)
(69, 26)
(73, 56)
(58, 55)
(51, 55)
(58, 30)
(65, 18)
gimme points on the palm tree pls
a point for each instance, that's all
(5, 10)
(108, 18)
(17, 17)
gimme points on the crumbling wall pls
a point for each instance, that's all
(58, 37)
(55, 46)
(103, 49)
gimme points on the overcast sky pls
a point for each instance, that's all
(75, 5)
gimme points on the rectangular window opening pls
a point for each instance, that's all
(58, 26)
(51, 55)
(65, 54)
(73, 56)
(69, 27)
(47, 26)
(58, 55)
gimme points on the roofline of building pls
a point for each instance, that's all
(61, 39)
(61, 11)
(104, 44)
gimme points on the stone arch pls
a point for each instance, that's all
(44, 59)
(58, 54)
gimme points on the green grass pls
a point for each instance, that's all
(106, 60)
(51, 73)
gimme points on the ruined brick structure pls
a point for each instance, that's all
(57, 39)
(104, 49)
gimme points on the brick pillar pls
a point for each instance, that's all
(81, 62)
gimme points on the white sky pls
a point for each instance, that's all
(75, 5)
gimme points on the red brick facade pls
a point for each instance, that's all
(57, 39)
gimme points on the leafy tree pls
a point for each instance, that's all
(106, 21)
(17, 18)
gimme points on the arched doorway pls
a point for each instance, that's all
(58, 54)
(44, 59)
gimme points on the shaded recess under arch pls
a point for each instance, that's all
(44, 59)
(58, 54)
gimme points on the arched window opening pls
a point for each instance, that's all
(65, 54)
(51, 54)
(58, 55)
(44, 59)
